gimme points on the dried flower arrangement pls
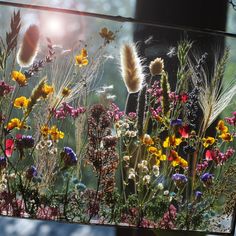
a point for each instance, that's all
(156, 167)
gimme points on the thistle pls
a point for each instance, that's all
(131, 68)
(29, 47)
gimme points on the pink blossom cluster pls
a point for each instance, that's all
(218, 157)
(167, 222)
(231, 120)
(155, 90)
(114, 112)
(5, 88)
(67, 110)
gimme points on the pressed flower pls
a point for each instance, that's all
(81, 59)
(21, 102)
(66, 92)
(221, 127)
(14, 123)
(147, 140)
(227, 137)
(107, 34)
(208, 141)
(19, 78)
(156, 67)
(172, 141)
(55, 133)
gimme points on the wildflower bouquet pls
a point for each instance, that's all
(167, 161)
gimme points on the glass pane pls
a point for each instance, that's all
(116, 123)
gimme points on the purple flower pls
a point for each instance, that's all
(231, 120)
(31, 172)
(198, 195)
(69, 156)
(24, 141)
(179, 178)
(3, 162)
(176, 122)
(5, 88)
(206, 177)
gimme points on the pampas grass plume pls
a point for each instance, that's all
(131, 68)
(29, 47)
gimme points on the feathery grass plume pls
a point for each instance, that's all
(131, 68)
(166, 90)
(141, 107)
(214, 95)
(36, 94)
(29, 47)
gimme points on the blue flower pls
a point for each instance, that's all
(206, 177)
(24, 141)
(179, 177)
(31, 172)
(198, 195)
(176, 122)
(3, 162)
(69, 156)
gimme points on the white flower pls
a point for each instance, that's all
(155, 170)
(131, 176)
(166, 193)
(160, 186)
(146, 179)
(126, 158)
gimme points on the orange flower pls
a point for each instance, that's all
(221, 127)
(208, 141)
(19, 78)
(147, 140)
(158, 154)
(177, 160)
(21, 102)
(81, 59)
(44, 130)
(227, 137)
(46, 90)
(14, 123)
(66, 92)
(172, 141)
(55, 133)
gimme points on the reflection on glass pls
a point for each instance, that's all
(93, 132)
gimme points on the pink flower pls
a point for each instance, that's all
(231, 120)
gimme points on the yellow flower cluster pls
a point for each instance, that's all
(172, 141)
(54, 133)
(224, 131)
(82, 58)
(46, 90)
(159, 156)
(177, 160)
(15, 123)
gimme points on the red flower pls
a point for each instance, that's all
(184, 131)
(184, 97)
(9, 147)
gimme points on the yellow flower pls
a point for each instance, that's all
(19, 78)
(46, 90)
(55, 133)
(208, 141)
(226, 137)
(172, 141)
(21, 102)
(107, 34)
(81, 59)
(147, 140)
(221, 127)
(159, 156)
(177, 160)
(14, 123)
(152, 149)
(44, 130)
(65, 92)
